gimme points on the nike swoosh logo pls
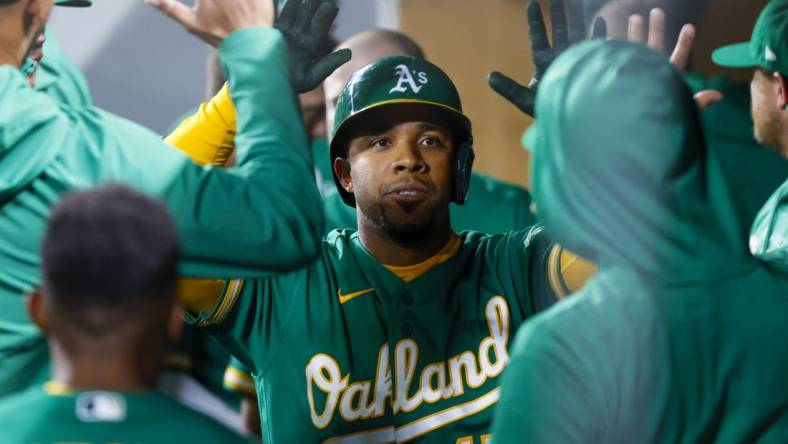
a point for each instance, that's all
(346, 297)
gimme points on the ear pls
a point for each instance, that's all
(342, 171)
(36, 14)
(175, 323)
(37, 310)
(782, 90)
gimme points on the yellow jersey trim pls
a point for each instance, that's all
(239, 381)
(410, 272)
(567, 272)
(55, 388)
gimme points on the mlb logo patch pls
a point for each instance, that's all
(101, 407)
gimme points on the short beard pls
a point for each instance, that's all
(767, 129)
(405, 233)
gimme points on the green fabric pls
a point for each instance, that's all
(492, 207)
(728, 129)
(321, 365)
(35, 416)
(680, 335)
(59, 78)
(262, 217)
(768, 46)
(769, 239)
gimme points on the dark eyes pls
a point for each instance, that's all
(431, 141)
(381, 143)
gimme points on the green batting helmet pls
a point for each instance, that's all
(399, 81)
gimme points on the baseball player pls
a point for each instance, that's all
(107, 253)
(399, 331)
(679, 337)
(493, 206)
(767, 52)
(54, 149)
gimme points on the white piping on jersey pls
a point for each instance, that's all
(437, 381)
(421, 426)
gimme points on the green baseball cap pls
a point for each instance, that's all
(768, 46)
(396, 81)
(77, 3)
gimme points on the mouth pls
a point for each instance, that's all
(408, 193)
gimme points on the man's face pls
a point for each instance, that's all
(765, 111)
(400, 173)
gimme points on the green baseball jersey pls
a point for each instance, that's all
(492, 206)
(54, 414)
(263, 216)
(769, 237)
(59, 78)
(347, 351)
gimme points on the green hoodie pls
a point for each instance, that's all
(680, 337)
(263, 216)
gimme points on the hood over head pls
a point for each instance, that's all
(621, 171)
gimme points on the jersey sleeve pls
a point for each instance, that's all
(535, 271)
(544, 394)
(246, 316)
(263, 216)
(238, 379)
(208, 136)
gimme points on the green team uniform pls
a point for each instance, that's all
(346, 351)
(51, 415)
(59, 78)
(680, 336)
(767, 49)
(261, 217)
(350, 350)
(727, 127)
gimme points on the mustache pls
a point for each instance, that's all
(408, 183)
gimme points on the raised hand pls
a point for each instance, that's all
(213, 20)
(305, 25)
(567, 30)
(681, 53)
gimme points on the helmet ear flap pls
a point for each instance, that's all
(463, 166)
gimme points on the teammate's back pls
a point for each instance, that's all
(107, 309)
(53, 413)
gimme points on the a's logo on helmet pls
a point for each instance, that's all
(406, 79)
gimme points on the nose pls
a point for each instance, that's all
(409, 159)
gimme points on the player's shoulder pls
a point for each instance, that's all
(609, 309)
(21, 403)
(526, 238)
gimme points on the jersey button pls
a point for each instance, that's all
(407, 298)
(407, 329)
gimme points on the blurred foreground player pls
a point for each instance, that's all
(767, 52)
(47, 150)
(107, 307)
(680, 336)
